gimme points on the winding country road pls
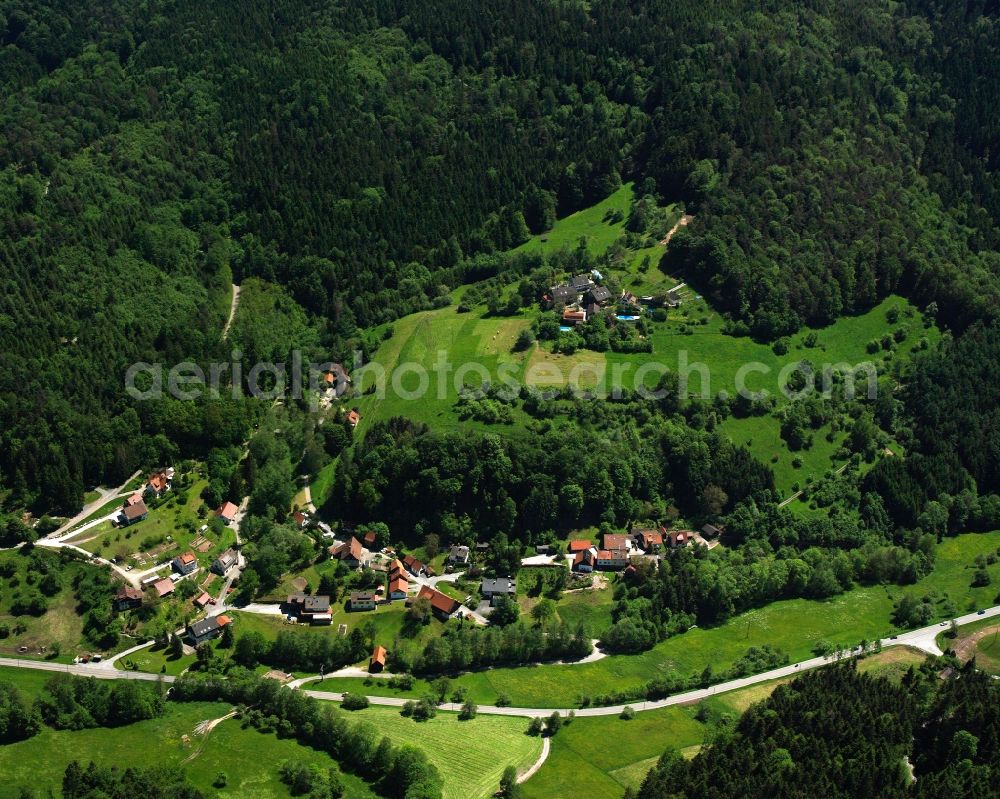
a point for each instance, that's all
(923, 639)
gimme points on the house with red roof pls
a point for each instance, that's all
(398, 588)
(650, 541)
(185, 563)
(414, 566)
(377, 662)
(351, 552)
(227, 512)
(579, 545)
(678, 538)
(584, 561)
(612, 559)
(444, 606)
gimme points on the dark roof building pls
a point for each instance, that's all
(600, 295)
(494, 588)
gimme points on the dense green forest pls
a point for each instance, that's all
(359, 153)
(846, 734)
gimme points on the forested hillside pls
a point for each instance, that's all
(358, 153)
(845, 734)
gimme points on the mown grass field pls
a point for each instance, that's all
(588, 224)
(471, 755)
(598, 757)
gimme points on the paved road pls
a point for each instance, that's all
(84, 670)
(922, 639)
(524, 777)
(90, 507)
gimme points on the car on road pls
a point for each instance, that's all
(980, 612)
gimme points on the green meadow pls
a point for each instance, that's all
(419, 371)
(249, 759)
(470, 755)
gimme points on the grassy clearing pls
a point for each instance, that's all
(598, 757)
(588, 224)
(322, 483)
(691, 336)
(249, 759)
(59, 625)
(471, 755)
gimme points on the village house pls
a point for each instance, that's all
(134, 510)
(370, 539)
(443, 606)
(185, 563)
(203, 600)
(398, 588)
(630, 301)
(561, 295)
(574, 316)
(353, 417)
(650, 541)
(299, 519)
(350, 552)
(579, 545)
(163, 587)
(127, 598)
(581, 282)
(612, 559)
(363, 600)
(678, 538)
(458, 556)
(207, 629)
(225, 562)
(711, 531)
(158, 483)
(377, 662)
(227, 512)
(396, 570)
(336, 379)
(414, 566)
(599, 295)
(313, 609)
(496, 588)
(584, 561)
(614, 541)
